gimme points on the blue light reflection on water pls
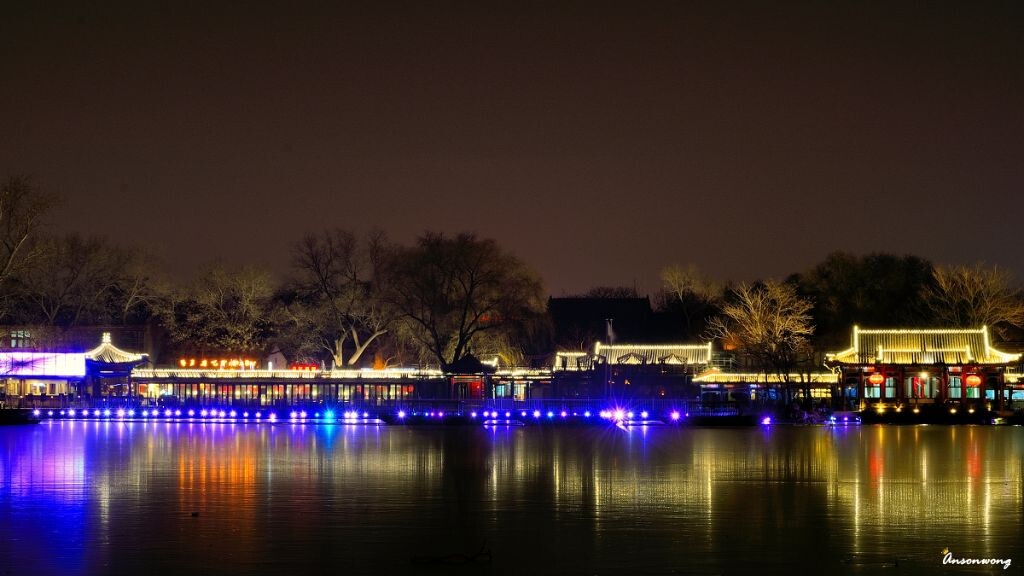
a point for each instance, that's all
(108, 497)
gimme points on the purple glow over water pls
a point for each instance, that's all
(177, 498)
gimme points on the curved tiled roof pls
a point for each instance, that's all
(107, 353)
(675, 354)
(654, 353)
(916, 346)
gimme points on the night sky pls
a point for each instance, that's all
(597, 141)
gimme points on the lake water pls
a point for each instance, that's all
(178, 498)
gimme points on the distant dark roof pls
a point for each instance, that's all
(576, 317)
(469, 364)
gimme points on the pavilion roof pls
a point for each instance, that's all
(107, 353)
(921, 346)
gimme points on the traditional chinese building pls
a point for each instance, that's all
(923, 367)
(728, 386)
(629, 371)
(109, 368)
(46, 377)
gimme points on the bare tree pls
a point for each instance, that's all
(769, 322)
(695, 295)
(335, 304)
(453, 293)
(970, 296)
(71, 281)
(139, 285)
(224, 311)
(22, 210)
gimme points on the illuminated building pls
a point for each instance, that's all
(629, 371)
(102, 371)
(898, 366)
(717, 385)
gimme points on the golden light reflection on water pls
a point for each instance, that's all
(704, 498)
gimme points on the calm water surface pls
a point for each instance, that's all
(139, 498)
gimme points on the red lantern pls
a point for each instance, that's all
(973, 380)
(876, 379)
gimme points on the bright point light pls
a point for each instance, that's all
(952, 410)
(177, 412)
(131, 413)
(620, 415)
(273, 416)
(486, 413)
(302, 414)
(507, 414)
(71, 412)
(644, 414)
(536, 413)
(245, 414)
(440, 414)
(401, 413)
(96, 413)
(766, 420)
(191, 413)
(917, 410)
(293, 414)
(203, 413)
(168, 413)
(329, 415)
(970, 410)
(50, 413)
(106, 412)
(259, 415)
(564, 414)
(234, 414)
(472, 414)
(524, 413)
(222, 414)
(145, 414)
(551, 414)
(365, 415)
(586, 414)
(35, 412)
(674, 415)
(629, 415)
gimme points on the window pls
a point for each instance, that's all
(21, 339)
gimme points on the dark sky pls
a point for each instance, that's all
(597, 141)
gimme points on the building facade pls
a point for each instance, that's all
(923, 366)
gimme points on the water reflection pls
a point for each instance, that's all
(107, 497)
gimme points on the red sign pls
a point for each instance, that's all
(876, 379)
(973, 380)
